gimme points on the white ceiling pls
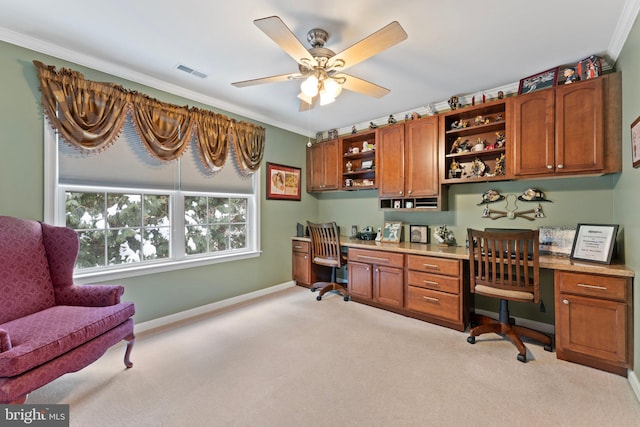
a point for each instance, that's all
(453, 47)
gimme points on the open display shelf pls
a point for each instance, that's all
(359, 161)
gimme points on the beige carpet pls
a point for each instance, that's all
(288, 360)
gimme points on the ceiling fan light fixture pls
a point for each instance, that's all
(305, 98)
(326, 98)
(332, 87)
(310, 86)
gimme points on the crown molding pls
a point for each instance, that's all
(623, 28)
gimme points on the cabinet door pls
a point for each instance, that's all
(390, 169)
(421, 157)
(593, 327)
(301, 268)
(360, 279)
(389, 285)
(534, 133)
(580, 127)
(331, 174)
(322, 166)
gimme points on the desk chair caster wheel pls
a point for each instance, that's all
(548, 348)
(346, 298)
(314, 289)
(522, 358)
(471, 340)
(319, 298)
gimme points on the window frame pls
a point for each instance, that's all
(54, 213)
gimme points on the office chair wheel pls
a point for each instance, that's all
(522, 358)
(314, 289)
(471, 340)
(346, 298)
(548, 347)
(319, 298)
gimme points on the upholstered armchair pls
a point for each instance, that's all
(48, 325)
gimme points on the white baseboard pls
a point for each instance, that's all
(635, 383)
(187, 314)
(527, 323)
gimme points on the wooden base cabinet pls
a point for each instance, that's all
(593, 320)
(376, 277)
(435, 290)
(303, 271)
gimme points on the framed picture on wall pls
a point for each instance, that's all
(635, 142)
(283, 182)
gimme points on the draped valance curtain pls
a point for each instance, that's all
(90, 116)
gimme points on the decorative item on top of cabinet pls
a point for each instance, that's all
(359, 160)
(475, 143)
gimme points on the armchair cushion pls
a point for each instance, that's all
(5, 341)
(43, 336)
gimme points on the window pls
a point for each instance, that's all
(135, 214)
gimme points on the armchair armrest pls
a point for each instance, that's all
(89, 295)
(5, 341)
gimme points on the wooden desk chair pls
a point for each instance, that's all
(325, 250)
(504, 264)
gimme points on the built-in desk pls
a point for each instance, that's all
(593, 302)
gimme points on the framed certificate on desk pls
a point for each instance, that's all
(594, 242)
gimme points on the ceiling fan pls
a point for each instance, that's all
(322, 69)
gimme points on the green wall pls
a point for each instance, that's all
(155, 295)
(626, 200)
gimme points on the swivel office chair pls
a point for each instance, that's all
(504, 264)
(325, 250)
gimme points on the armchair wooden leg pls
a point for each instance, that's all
(127, 361)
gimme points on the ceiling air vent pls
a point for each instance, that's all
(190, 70)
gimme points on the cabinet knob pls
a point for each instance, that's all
(400, 193)
(305, 257)
(410, 191)
(560, 166)
(565, 301)
(549, 166)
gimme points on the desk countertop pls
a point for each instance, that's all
(460, 252)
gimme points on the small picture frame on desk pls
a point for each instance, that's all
(594, 243)
(392, 231)
(635, 142)
(419, 234)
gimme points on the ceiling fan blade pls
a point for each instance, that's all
(381, 40)
(263, 80)
(364, 87)
(273, 27)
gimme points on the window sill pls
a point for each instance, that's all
(161, 267)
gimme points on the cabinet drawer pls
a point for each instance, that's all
(300, 246)
(592, 285)
(376, 257)
(433, 281)
(448, 267)
(434, 303)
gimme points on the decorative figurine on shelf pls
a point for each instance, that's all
(406, 117)
(454, 104)
(367, 147)
(499, 117)
(372, 125)
(430, 109)
(478, 168)
(391, 119)
(500, 140)
(570, 75)
(480, 120)
(455, 170)
(415, 116)
(353, 130)
(499, 167)
(333, 133)
(459, 124)
(500, 94)
(459, 146)
(480, 145)
(444, 237)
(349, 166)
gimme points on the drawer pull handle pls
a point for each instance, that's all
(582, 285)
(374, 258)
(433, 300)
(429, 282)
(565, 301)
(431, 266)
(297, 247)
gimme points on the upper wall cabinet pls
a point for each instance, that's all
(359, 160)
(408, 165)
(570, 130)
(476, 143)
(322, 166)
